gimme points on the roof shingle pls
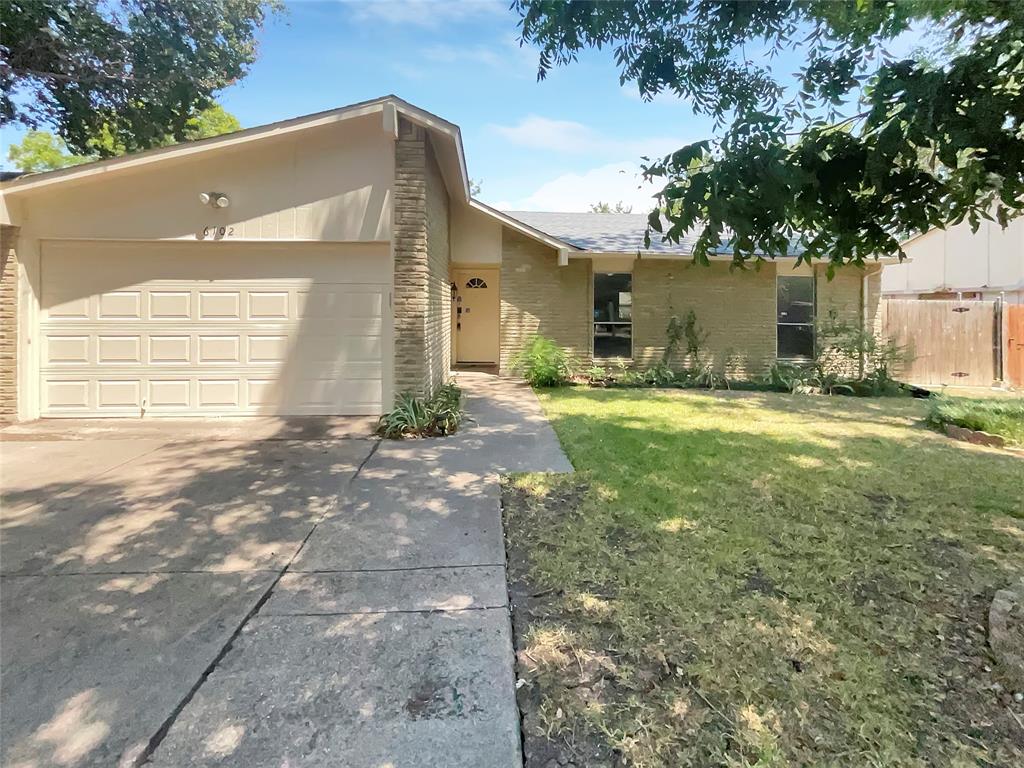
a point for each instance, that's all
(602, 232)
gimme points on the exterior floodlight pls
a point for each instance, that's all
(221, 201)
(204, 198)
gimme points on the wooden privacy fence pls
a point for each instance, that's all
(1015, 344)
(955, 343)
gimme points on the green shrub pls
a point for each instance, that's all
(849, 361)
(543, 363)
(673, 335)
(595, 375)
(997, 416)
(706, 377)
(446, 407)
(658, 376)
(695, 337)
(849, 352)
(416, 417)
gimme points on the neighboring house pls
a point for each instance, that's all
(323, 265)
(958, 263)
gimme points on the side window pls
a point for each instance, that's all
(794, 303)
(613, 314)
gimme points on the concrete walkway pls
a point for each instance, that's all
(328, 601)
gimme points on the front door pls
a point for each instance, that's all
(476, 315)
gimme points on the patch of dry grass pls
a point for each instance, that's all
(765, 580)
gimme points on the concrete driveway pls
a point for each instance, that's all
(261, 592)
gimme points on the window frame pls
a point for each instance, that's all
(812, 323)
(594, 323)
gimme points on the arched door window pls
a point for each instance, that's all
(475, 282)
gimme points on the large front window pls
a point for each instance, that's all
(613, 314)
(795, 321)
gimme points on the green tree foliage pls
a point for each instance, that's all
(602, 207)
(139, 70)
(212, 121)
(42, 151)
(834, 171)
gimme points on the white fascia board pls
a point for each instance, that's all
(141, 159)
(202, 146)
(524, 229)
(441, 126)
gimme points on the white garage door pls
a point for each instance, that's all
(187, 328)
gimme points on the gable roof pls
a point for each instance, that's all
(601, 232)
(446, 136)
(614, 233)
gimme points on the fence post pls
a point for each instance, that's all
(1000, 340)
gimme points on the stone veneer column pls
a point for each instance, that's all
(411, 258)
(8, 324)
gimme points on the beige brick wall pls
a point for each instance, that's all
(538, 297)
(438, 334)
(8, 325)
(736, 309)
(843, 296)
(422, 304)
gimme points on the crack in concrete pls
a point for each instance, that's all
(158, 571)
(399, 569)
(161, 733)
(425, 611)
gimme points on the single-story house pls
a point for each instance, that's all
(325, 264)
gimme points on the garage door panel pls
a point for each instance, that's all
(338, 303)
(357, 349)
(68, 308)
(170, 305)
(119, 349)
(169, 350)
(267, 349)
(170, 394)
(220, 305)
(219, 393)
(319, 393)
(120, 305)
(66, 395)
(238, 345)
(66, 350)
(219, 349)
(269, 305)
(119, 394)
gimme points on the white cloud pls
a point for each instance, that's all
(423, 13)
(508, 56)
(578, 191)
(568, 136)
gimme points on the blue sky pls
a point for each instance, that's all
(559, 144)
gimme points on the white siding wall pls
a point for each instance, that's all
(957, 259)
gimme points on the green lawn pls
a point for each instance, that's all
(997, 416)
(746, 579)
